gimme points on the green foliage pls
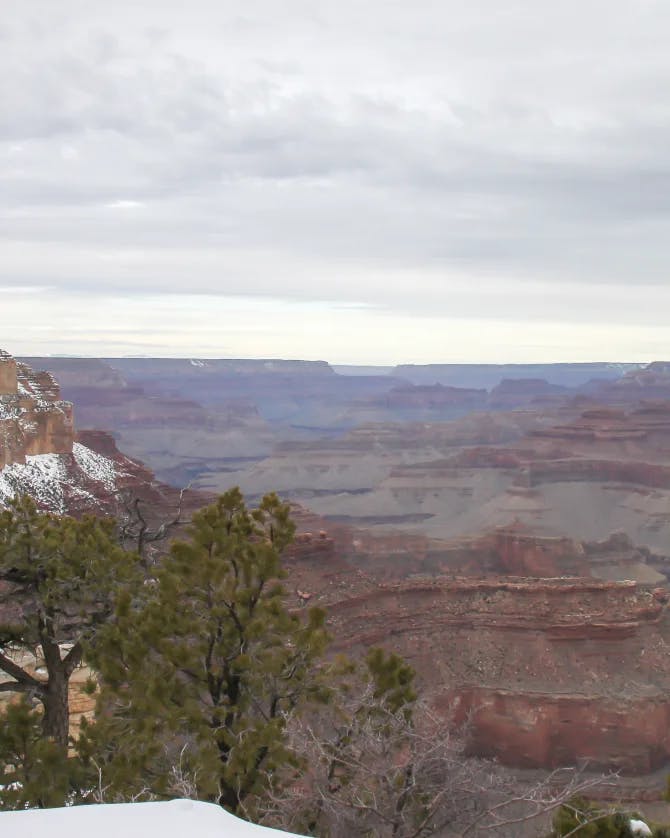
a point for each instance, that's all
(583, 818)
(199, 680)
(60, 577)
(34, 771)
(393, 681)
(64, 569)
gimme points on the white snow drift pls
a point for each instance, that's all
(172, 819)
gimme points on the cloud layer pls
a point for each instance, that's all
(380, 166)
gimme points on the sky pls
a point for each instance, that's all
(370, 182)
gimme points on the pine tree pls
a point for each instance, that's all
(34, 770)
(58, 580)
(584, 818)
(198, 683)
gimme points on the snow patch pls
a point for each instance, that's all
(639, 827)
(171, 819)
(53, 480)
(95, 466)
(41, 476)
(9, 408)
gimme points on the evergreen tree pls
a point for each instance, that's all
(199, 682)
(584, 818)
(58, 580)
(34, 770)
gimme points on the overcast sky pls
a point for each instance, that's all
(363, 182)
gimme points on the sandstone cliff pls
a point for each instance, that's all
(33, 418)
(42, 456)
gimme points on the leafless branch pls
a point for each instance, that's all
(134, 529)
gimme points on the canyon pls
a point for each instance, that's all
(509, 536)
(545, 672)
(544, 648)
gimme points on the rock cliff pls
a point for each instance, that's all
(33, 418)
(42, 456)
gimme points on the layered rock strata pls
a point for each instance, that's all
(545, 672)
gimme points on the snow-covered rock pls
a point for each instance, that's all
(61, 482)
(38, 452)
(95, 466)
(171, 819)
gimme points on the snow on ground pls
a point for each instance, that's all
(50, 478)
(41, 477)
(171, 819)
(95, 466)
(9, 408)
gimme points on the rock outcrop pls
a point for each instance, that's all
(651, 382)
(515, 392)
(435, 397)
(41, 454)
(33, 418)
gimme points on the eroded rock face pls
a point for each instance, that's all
(547, 671)
(491, 375)
(586, 473)
(7, 373)
(515, 392)
(33, 418)
(548, 731)
(40, 454)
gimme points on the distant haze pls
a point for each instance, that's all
(363, 182)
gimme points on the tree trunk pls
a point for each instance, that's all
(56, 721)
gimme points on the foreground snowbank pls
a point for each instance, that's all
(171, 819)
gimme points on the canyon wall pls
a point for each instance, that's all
(33, 418)
(545, 730)
(545, 672)
(8, 382)
(490, 375)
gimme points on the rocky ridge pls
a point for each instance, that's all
(41, 454)
(552, 650)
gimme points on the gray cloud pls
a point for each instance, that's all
(424, 158)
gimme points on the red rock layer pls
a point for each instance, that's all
(545, 730)
(546, 672)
